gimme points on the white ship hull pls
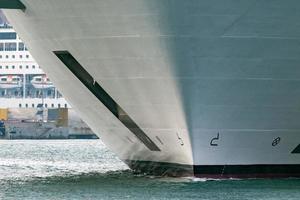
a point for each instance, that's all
(209, 88)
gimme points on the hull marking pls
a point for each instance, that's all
(276, 141)
(213, 141)
(75, 67)
(297, 149)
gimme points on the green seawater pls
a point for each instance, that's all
(77, 169)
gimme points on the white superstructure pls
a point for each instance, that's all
(204, 87)
(23, 84)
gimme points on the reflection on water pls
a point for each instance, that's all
(29, 159)
(87, 170)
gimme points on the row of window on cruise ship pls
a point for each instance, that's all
(14, 56)
(20, 67)
(45, 105)
(12, 46)
(8, 35)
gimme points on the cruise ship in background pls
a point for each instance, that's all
(183, 87)
(22, 82)
(30, 105)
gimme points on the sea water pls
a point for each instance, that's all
(86, 169)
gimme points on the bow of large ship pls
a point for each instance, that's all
(200, 87)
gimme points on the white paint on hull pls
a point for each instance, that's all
(193, 68)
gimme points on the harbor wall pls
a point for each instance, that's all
(34, 123)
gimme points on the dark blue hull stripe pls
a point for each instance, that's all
(216, 171)
(75, 67)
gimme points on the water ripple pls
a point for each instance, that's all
(75, 169)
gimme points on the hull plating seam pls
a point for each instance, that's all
(75, 67)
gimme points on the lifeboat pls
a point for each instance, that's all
(10, 81)
(41, 82)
